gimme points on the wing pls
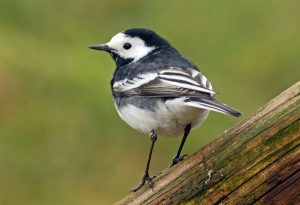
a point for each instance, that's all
(171, 82)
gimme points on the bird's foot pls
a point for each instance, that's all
(178, 159)
(146, 178)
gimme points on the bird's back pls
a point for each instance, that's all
(160, 59)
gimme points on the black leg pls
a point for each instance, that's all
(178, 158)
(146, 176)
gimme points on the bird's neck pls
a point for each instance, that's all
(120, 61)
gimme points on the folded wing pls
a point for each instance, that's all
(172, 82)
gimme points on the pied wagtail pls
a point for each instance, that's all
(158, 91)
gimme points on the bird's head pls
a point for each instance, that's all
(132, 45)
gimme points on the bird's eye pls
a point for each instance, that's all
(127, 46)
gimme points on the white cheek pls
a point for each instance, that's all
(136, 52)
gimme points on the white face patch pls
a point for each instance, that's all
(138, 47)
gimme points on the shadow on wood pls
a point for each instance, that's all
(256, 162)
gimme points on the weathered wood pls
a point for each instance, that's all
(256, 162)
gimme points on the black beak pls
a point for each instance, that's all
(101, 47)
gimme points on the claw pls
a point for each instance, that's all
(147, 178)
(178, 159)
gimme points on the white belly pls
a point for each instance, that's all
(169, 119)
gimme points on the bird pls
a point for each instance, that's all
(158, 91)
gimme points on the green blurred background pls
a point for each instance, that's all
(61, 140)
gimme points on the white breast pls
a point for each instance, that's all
(169, 119)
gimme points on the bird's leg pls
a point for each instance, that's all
(146, 177)
(177, 157)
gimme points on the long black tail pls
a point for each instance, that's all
(212, 105)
